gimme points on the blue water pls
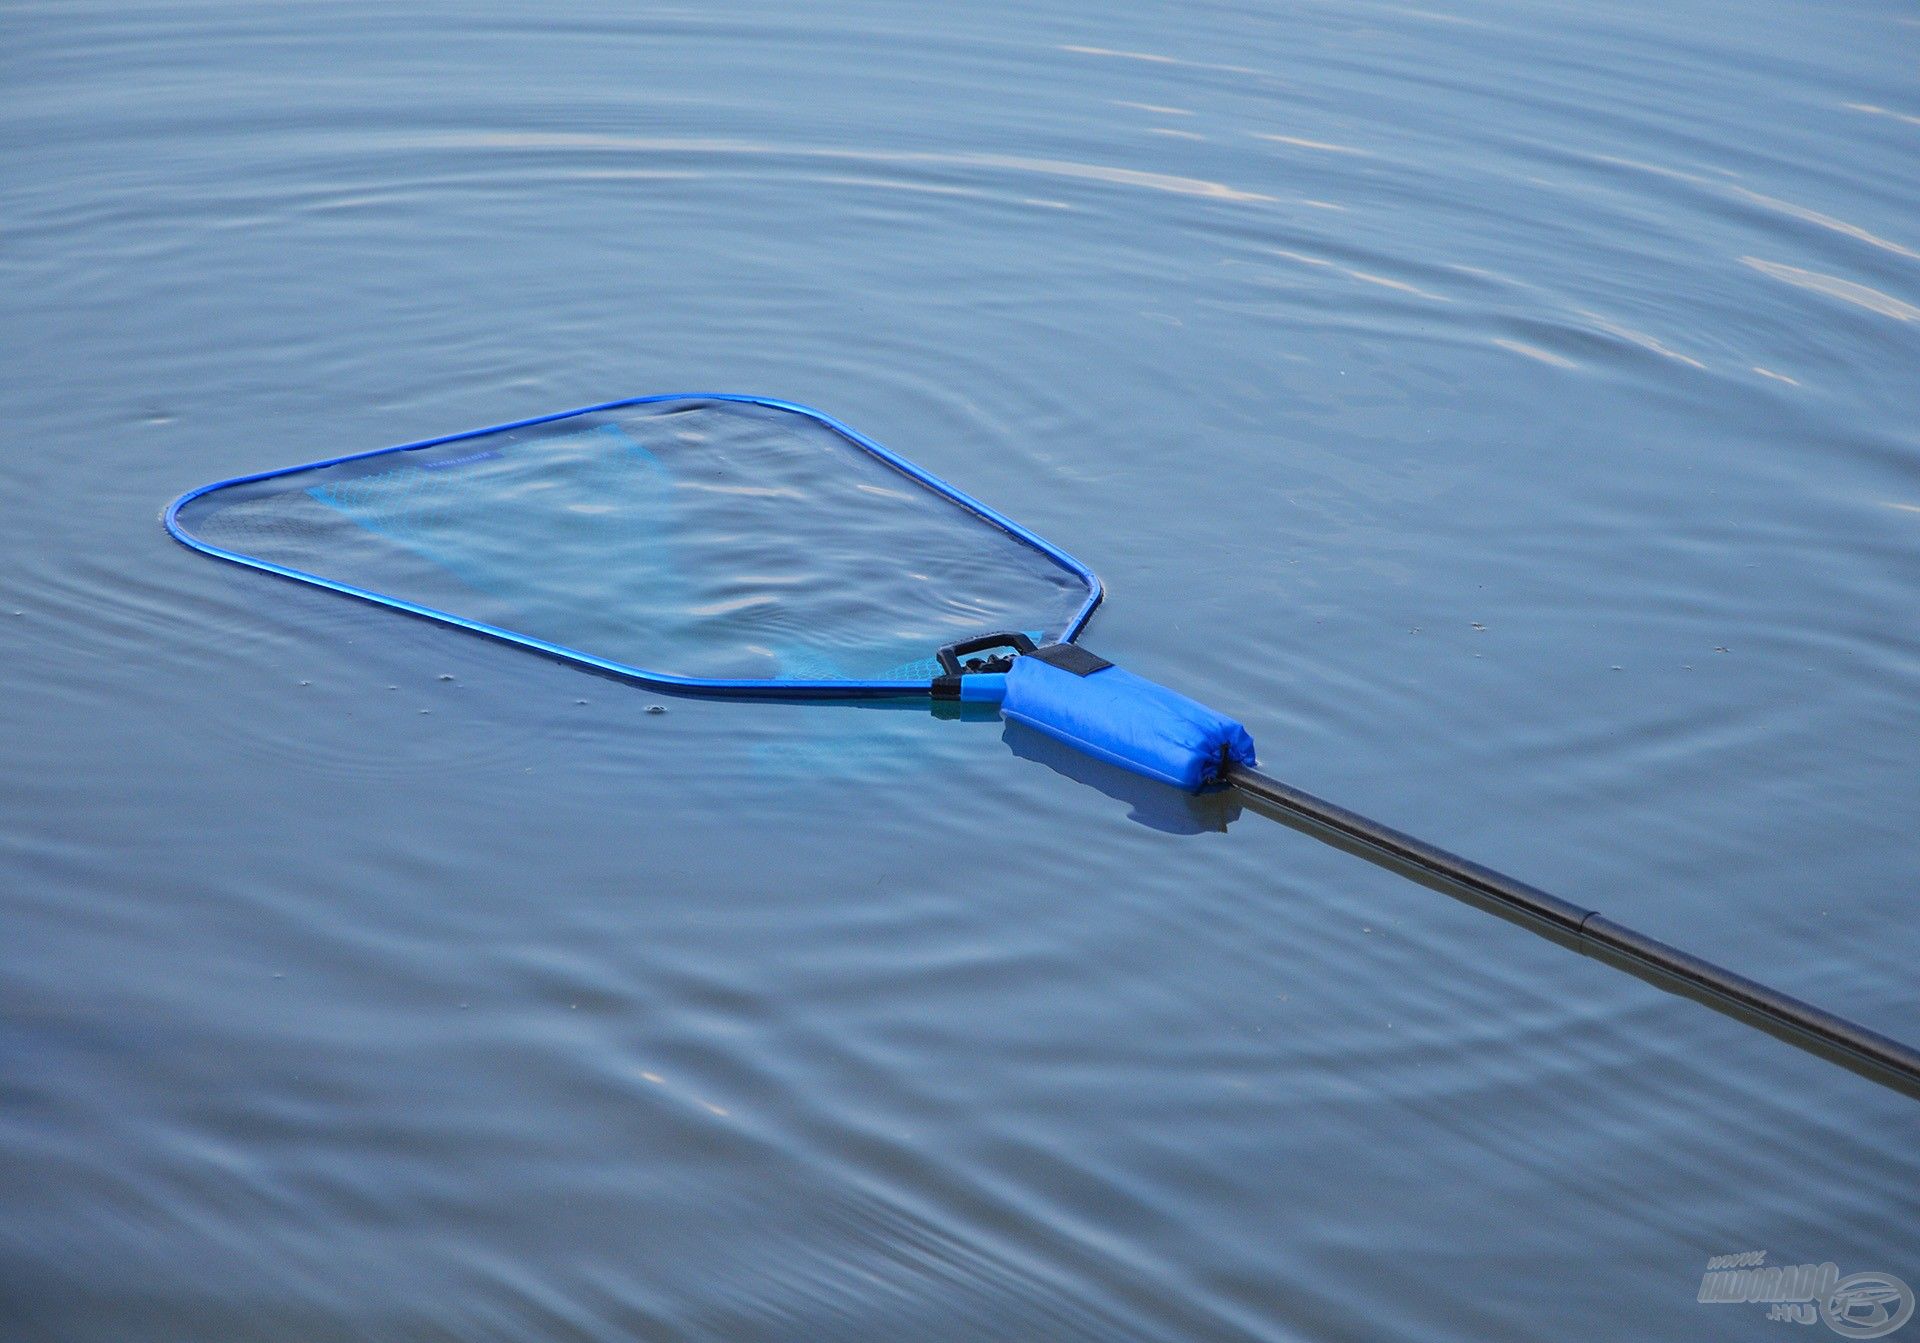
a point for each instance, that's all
(1507, 409)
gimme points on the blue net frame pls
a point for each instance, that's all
(743, 687)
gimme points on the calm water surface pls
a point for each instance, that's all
(1508, 409)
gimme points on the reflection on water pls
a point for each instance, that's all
(1833, 286)
(1091, 172)
(1507, 412)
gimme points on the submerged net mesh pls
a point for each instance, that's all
(695, 538)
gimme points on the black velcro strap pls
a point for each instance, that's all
(1071, 658)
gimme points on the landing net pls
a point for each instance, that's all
(732, 544)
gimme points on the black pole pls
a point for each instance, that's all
(1592, 932)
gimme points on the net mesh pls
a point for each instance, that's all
(695, 538)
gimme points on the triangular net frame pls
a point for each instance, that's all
(702, 543)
